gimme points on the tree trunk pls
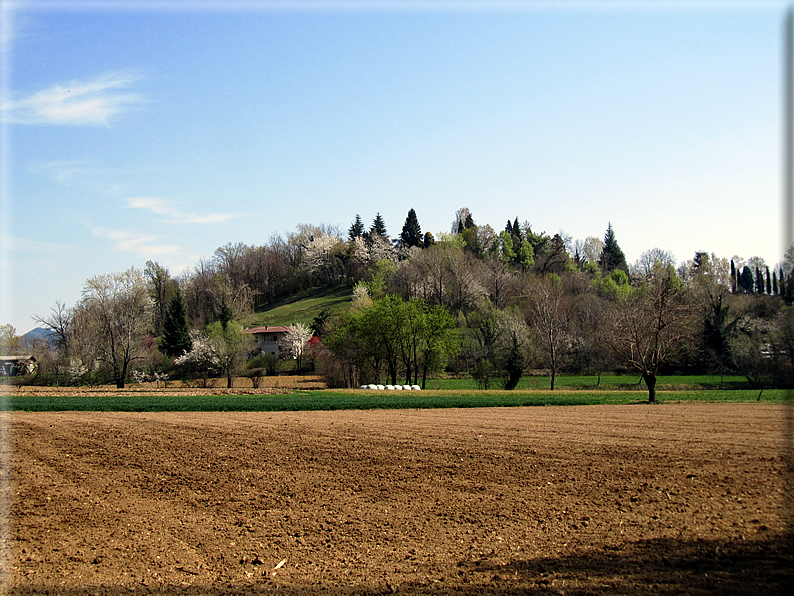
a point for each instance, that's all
(553, 377)
(650, 381)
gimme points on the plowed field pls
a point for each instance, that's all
(673, 498)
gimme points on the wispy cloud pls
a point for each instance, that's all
(18, 244)
(162, 207)
(81, 172)
(143, 245)
(77, 103)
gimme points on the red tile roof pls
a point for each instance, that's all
(268, 329)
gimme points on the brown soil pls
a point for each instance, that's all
(240, 386)
(674, 498)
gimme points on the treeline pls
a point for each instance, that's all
(517, 299)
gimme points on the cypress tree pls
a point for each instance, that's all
(612, 256)
(781, 284)
(412, 232)
(768, 282)
(759, 281)
(746, 280)
(733, 277)
(176, 340)
(774, 284)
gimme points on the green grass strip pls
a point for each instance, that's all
(337, 399)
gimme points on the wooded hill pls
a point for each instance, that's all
(517, 299)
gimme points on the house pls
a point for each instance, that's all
(269, 339)
(11, 366)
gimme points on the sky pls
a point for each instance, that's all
(136, 131)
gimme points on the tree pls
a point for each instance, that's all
(225, 313)
(116, 311)
(549, 316)
(176, 336)
(412, 232)
(356, 229)
(429, 240)
(440, 339)
(612, 256)
(651, 325)
(59, 322)
(462, 218)
(378, 227)
(319, 258)
(746, 282)
(221, 349)
(643, 266)
(296, 339)
(161, 287)
(9, 340)
(555, 259)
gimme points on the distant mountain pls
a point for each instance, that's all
(38, 333)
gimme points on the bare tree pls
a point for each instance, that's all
(59, 322)
(651, 324)
(116, 311)
(643, 266)
(499, 280)
(549, 316)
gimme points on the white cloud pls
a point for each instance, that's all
(18, 244)
(162, 207)
(142, 245)
(78, 103)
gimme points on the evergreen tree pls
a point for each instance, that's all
(429, 240)
(733, 277)
(746, 280)
(225, 314)
(378, 226)
(612, 256)
(775, 291)
(176, 340)
(469, 223)
(357, 229)
(509, 228)
(768, 282)
(412, 232)
(759, 281)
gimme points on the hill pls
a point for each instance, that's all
(302, 307)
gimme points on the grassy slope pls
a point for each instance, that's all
(302, 307)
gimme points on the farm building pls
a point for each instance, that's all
(11, 366)
(269, 339)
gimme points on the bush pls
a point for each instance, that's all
(256, 375)
(268, 362)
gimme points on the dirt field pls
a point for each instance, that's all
(580, 500)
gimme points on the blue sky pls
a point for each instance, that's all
(137, 131)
